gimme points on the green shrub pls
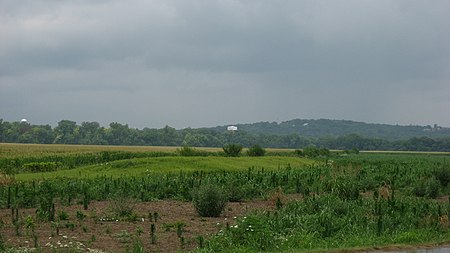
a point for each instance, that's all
(62, 215)
(80, 215)
(189, 151)
(324, 152)
(311, 151)
(122, 206)
(138, 246)
(299, 152)
(235, 190)
(351, 151)
(427, 188)
(432, 187)
(256, 150)
(209, 200)
(443, 175)
(232, 149)
(346, 188)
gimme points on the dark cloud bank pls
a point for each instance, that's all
(206, 63)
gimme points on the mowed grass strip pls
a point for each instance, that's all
(140, 166)
(15, 150)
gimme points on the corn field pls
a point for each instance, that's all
(346, 201)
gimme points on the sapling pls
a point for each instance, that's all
(182, 242)
(35, 240)
(29, 224)
(55, 225)
(52, 212)
(15, 220)
(153, 233)
(139, 231)
(8, 201)
(180, 229)
(201, 241)
(85, 201)
(108, 230)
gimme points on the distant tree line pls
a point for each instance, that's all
(326, 127)
(69, 132)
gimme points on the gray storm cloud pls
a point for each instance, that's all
(205, 63)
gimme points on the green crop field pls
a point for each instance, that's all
(145, 199)
(170, 164)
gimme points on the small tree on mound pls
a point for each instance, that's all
(256, 150)
(232, 149)
(209, 200)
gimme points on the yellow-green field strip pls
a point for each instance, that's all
(174, 164)
(11, 150)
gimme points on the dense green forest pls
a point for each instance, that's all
(335, 128)
(272, 135)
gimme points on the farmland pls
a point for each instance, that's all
(57, 198)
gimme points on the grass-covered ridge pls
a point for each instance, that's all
(171, 164)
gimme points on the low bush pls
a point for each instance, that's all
(443, 175)
(209, 200)
(232, 149)
(189, 151)
(427, 188)
(256, 150)
(312, 152)
(63, 215)
(122, 206)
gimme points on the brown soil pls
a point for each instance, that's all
(101, 230)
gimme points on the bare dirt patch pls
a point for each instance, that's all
(101, 230)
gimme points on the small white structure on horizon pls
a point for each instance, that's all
(232, 128)
(305, 124)
(23, 121)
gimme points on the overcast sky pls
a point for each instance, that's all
(205, 63)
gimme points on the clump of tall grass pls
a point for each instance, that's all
(209, 200)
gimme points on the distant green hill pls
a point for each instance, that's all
(336, 128)
(298, 133)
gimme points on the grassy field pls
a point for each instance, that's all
(175, 164)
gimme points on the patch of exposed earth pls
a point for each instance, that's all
(101, 230)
